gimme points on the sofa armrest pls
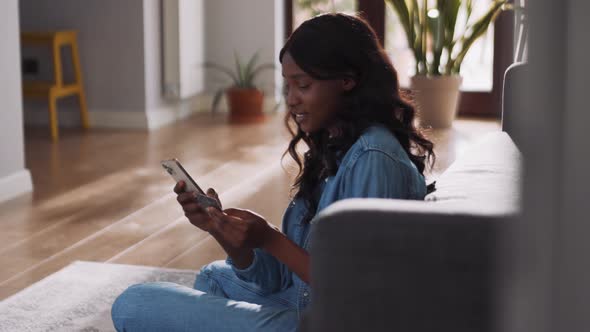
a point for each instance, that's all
(393, 265)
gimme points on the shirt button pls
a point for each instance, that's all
(305, 293)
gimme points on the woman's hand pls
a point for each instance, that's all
(241, 228)
(245, 230)
(196, 213)
(240, 231)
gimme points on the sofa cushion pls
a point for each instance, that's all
(487, 176)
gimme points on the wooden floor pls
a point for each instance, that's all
(102, 196)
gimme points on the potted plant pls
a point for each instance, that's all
(439, 49)
(244, 98)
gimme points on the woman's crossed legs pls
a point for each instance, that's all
(219, 302)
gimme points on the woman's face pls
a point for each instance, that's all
(312, 103)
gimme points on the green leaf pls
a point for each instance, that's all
(424, 34)
(243, 77)
(248, 78)
(419, 28)
(403, 13)
(449, 10)
(436, 32)
(239, 70)
(259, 69)
(468, 9)
(222, 69)
(476, 30)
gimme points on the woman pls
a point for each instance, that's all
(342, 92)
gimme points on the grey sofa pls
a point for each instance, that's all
(433, 265)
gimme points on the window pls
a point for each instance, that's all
(482, 70)
(477, 67)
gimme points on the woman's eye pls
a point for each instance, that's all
(302, 87)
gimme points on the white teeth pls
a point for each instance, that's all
(300, 117)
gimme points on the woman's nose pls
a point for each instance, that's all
(292, 99)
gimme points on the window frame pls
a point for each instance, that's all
(472, 103)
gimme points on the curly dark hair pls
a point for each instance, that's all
(338, 46)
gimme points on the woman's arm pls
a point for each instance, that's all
(289, 253)
(196, 214)
(244, 229)
(241, 257)
(256, 266)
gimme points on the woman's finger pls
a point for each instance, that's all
(185, 198)
(193, 207)
(240, 213)
(230, 220)
(219, 219)
(179, 187)
(198, 219)
(213, 194)
(195, 216)
(222, 222)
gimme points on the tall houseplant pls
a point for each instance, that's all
(439, 47)
(245, 99)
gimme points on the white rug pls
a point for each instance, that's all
(79, 297)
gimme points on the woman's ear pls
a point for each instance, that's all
(348, 84)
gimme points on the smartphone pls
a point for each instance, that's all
(178, 173)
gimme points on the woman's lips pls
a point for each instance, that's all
(301, 117)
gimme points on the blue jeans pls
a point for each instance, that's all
(220, 301)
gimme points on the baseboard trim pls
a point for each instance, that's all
(173, 112)
(150, 119)
(98, 119)
(15, 184)
(205, 102)
(119, 119)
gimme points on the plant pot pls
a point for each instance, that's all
(245, 105)
(437, 99)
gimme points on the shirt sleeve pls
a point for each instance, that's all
(376, 174)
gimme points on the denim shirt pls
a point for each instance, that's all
(376, 165)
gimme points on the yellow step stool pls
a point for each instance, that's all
(57, 89)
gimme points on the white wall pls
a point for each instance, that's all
(253, 25)
(120, 46)
(111, 51)
(14, 178)
(121, 61)
(192, 38)
(161, 111)
(183, 47)
(244, 27)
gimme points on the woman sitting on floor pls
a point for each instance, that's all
(342, 94)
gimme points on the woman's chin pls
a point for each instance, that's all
(308, 127)
(304, 126)
(308, 130)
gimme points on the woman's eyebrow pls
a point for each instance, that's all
(296, 76)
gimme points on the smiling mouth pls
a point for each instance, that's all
(300, 117)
